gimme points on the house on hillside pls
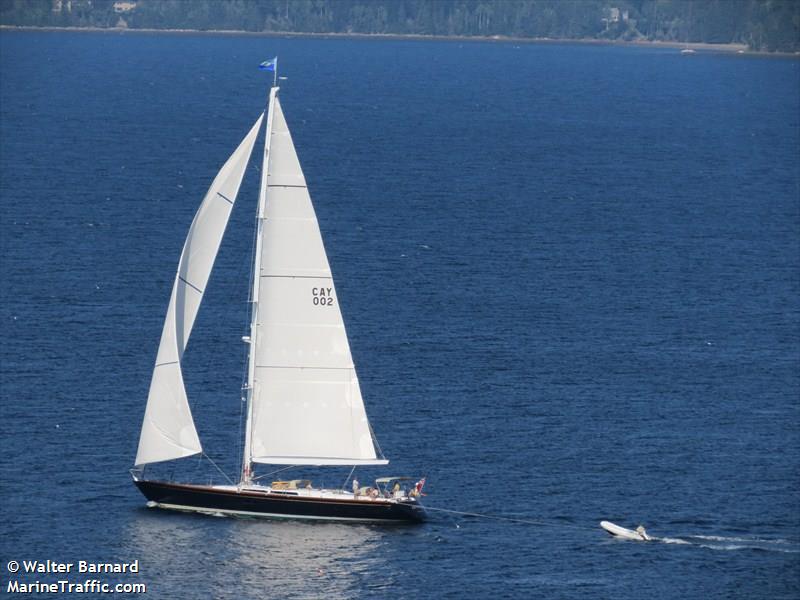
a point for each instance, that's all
(123, 6)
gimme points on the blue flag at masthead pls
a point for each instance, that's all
(269, 65)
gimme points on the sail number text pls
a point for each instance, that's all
(322, 296)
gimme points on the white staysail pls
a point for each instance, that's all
(168, 430)
(306, 405)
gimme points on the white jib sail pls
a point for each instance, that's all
(306, 401)
(168, 430)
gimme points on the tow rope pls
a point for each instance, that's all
(502, 518)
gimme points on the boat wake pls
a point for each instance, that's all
(671, 541)
(718, 542)
(719, 538)
(714, 542)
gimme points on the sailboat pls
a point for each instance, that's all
(303, 400)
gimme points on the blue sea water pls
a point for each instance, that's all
(570, 276)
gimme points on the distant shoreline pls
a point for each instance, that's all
(696, 46)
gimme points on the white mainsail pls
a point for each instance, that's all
(305, 401)
(168, 430)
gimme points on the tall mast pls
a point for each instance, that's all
(246, 476)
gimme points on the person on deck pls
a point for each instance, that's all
(355, 487)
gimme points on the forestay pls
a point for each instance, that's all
(168, 431)
(306, 401)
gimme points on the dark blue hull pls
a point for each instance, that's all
(200, 498)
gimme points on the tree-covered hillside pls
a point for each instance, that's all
(761, 24)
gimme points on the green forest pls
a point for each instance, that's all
(764, 25)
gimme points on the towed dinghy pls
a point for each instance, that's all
(639, 534)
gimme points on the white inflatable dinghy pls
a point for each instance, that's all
(639, 534)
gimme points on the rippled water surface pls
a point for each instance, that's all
(570, 279)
